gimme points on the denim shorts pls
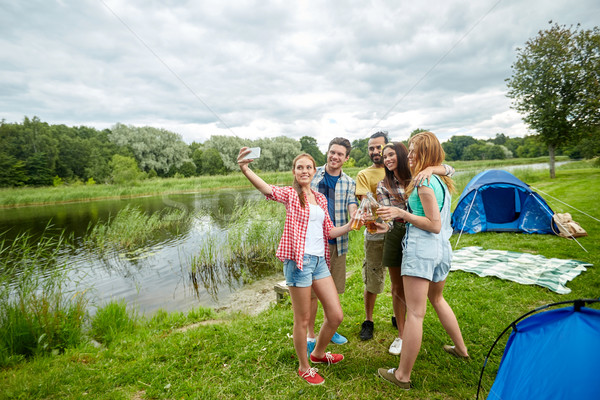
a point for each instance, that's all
(425, 255)
(313, 268)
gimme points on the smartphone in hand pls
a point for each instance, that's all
(254, 153)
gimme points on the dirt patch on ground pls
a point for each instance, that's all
(254, 298)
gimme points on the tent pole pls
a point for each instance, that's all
(466, 218)
(576, 209)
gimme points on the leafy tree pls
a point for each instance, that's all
(12, 171)
(588, 146)
(309, 145)
(530, 146)
(556, 85)
(228, 148)
(197, 160)
(153, 148)
(212, 163)
(277, 153)
(40, 174)
(124, 170)
(187, 169)
(500, 138)
(483, 151)
(360, 152)
(455, 147)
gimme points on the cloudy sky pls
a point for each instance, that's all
(268, 68)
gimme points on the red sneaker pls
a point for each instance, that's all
(311, 376)
(328, 359)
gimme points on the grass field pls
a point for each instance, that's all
(207, 355)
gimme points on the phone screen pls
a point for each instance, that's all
(254, 153)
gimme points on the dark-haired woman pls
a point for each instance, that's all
(391, 192)
(304, 251)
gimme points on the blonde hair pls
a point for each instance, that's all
(295, 184)
(427, 152)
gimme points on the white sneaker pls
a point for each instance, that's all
(396, 347)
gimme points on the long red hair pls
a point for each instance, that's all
(427, 152)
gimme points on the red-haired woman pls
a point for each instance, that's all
(391, 192)
(304, 251)
(426, 256)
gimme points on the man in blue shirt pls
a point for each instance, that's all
(339, 189)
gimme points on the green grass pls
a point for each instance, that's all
(231, 356)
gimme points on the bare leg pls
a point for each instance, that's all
(314, 307)
(398, 300)
(415, 290)
(301, 305)
(446, 316)
(328, 296)
(370, 299)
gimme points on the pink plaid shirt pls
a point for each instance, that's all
(292, 243)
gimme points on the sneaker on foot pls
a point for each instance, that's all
(310, 346)
(311, 376)
(338, 339)
(328, 359)
(396, 347)
(366, 330)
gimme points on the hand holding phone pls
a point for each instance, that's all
(254, 153)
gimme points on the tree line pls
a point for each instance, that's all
(35, 153)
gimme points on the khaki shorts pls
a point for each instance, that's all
(373, 270)
(337, 269)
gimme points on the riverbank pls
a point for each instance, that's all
(230, 354)
(33, 196)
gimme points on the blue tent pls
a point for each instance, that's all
(496, 200)
(551, 355)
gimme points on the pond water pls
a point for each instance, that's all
(155, 275)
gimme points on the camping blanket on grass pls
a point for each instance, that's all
(528, 269)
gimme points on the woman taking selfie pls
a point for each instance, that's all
(426, 256)
(304, 251)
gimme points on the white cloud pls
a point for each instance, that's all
(268, 68)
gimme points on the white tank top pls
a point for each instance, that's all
(314, 244)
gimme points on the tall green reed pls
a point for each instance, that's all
(131, 227)
(245, 252)
(38, 313)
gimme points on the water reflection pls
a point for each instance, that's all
(158, 272)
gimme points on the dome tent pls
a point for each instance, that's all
(551, 354)
(496, 200)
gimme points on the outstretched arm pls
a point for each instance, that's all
(254, 179)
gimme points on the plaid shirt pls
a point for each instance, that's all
(344, 196)
(292, 243)
(386, 198)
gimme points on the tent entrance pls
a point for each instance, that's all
(502, 205)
